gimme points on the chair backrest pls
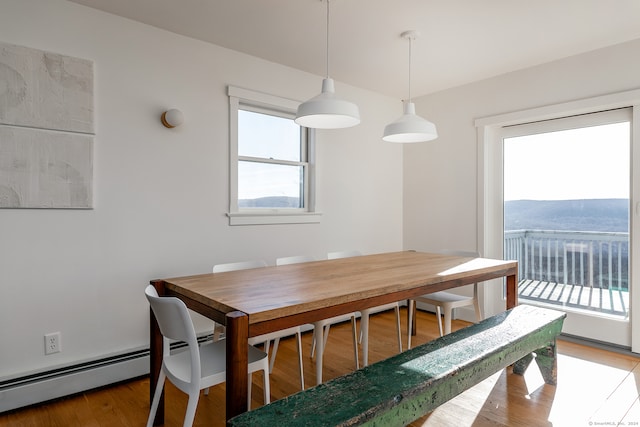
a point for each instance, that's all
(243, 265)
(172, 316)
(176, 324)
(343, 254)
(294, 259)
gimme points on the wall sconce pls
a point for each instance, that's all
(172, 118)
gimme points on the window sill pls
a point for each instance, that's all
(265, 218)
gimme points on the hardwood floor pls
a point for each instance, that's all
(595, 387)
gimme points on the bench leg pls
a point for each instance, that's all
(547, 361)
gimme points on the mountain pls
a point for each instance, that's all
(575, 215)
(270, 202)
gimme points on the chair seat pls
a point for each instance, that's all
(442, 297)
(379, 308)
(337, 319)
(213, 361)
(283, 333)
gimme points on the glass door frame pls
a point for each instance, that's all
(490, 186)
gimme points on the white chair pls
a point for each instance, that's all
(447, 301)
(321, 328)
(272, 336)
(196, 367)
(366, 313)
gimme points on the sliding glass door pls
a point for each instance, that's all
(566, 203)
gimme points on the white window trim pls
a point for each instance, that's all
(256, 100)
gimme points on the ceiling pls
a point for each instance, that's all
(461, 40)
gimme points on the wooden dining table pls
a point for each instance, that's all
(261, 300)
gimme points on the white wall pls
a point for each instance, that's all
(440, 186)
(161, 195)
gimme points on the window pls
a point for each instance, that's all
(491, 133)
(271, 161)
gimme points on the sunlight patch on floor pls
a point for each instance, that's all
(507, 399)
(596, 383)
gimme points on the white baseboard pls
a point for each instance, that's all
(44, 386)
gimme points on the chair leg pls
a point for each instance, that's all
(276, 343)
(397, 308)
(218, 330)
(156, 398)
(439, 315)
(355, 340)
(476, 303)
(192, 405)
(324, 332)
(267, 344)
(300, 364)
(313, 342)
(319, 341)
(249, 391)
(476, 306)
(266, 384)
(448, 311)
(364, 334)
(410, 326)
(326, 335)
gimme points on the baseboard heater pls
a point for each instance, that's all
(53, 384)
(56, 383)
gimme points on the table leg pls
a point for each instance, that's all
(319, 328)
(512, 291)
(155, 357)
(237, 363)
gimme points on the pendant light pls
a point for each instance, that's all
(326, 111)
(410, 127)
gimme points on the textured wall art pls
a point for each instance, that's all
(44, 169)
(46, 129)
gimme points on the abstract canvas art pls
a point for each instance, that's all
(46, 129)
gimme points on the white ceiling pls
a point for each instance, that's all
(461, 40)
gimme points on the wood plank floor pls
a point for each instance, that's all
(595, 387)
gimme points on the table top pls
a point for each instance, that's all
(278, 291)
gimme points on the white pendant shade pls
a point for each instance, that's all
(326, 111)
(410, 127)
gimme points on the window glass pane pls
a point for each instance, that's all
(266, 185)
(566, 217)
(269, 137)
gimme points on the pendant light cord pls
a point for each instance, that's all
(410, 40)
(328, 1)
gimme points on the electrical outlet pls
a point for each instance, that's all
(52, 343)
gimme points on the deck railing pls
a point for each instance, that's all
(594, 259)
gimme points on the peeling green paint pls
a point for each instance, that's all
(401, 389)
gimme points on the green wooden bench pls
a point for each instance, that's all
(403, 388)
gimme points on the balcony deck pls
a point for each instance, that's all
(607, 301)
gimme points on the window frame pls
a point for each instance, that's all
(248, 100)
(490, 132)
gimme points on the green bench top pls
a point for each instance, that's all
(404, 387)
